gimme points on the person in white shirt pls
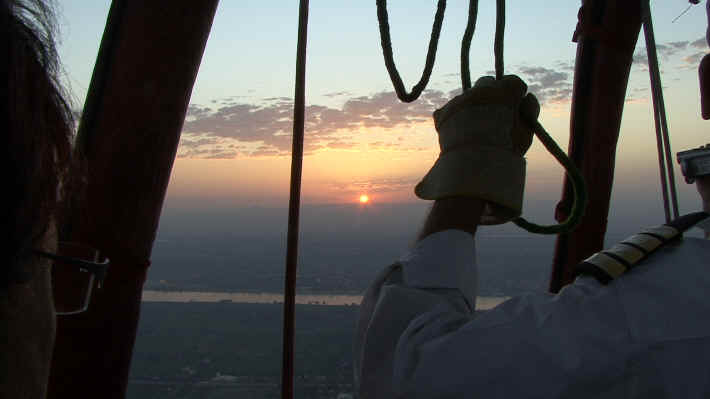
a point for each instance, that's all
(645, 334)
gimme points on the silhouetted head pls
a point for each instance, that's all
(35, 144)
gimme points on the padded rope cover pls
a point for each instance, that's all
(483, 140)
(619, 259)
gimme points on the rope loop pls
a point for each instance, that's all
(580, 192)
(386, 42)
(579, 205)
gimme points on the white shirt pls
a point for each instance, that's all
(645, 335)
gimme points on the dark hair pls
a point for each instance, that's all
(36, 126)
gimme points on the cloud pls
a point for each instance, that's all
(640, 59)
(376, 186)
(208, 153)
(680, 45)
(264, 151)
(196, 111)
(694, 59)
(565, 66)
(548, 85)
(264, 128)
(670, 48)
(393, 146)
(674, 51)
(337, 94)
(341, 145)
(700, 43)
(663, 51)
(638, 95)
(382, 145)
(226, 154)
(244, 122)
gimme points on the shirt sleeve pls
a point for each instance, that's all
(418, 336)
(413, 286)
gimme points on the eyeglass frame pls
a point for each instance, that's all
(98, 270)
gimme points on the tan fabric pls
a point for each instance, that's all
(482, 141)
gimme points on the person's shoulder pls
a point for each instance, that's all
(693, 243)
(647, 246)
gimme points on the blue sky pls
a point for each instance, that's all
(247, 77)
(256, 39)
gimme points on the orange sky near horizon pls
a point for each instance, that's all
(359, 139)
(388, 175)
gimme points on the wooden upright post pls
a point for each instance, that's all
(129, 133)
(606, 34)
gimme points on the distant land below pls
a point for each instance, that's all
(341, 249)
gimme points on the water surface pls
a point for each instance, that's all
(483, 302)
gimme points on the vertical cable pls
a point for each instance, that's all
(666, 139)
(466, 44)
(287, 383)
(500, 31)
(659, 146)
(659, 114)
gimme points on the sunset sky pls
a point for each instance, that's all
(360, 140)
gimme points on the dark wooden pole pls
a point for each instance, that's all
(606, 34)
(704, 73)
(129, 133)
(294, 208)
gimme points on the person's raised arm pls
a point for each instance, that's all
(453, 213)
(480, 174)
(478, 179)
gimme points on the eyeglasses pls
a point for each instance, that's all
(76, 267)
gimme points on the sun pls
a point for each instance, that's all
(364, 199)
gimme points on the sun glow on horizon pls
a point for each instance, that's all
(364, 199)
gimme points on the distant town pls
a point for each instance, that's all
(228, 350)
(211, 317)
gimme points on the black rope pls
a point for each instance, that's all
(660, 120)
(500, 32)
(386, 42)
(466, 44)
(580, 198)
(580, 192)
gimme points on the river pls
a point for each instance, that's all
(482, 302)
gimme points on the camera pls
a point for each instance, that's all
(695, 162)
